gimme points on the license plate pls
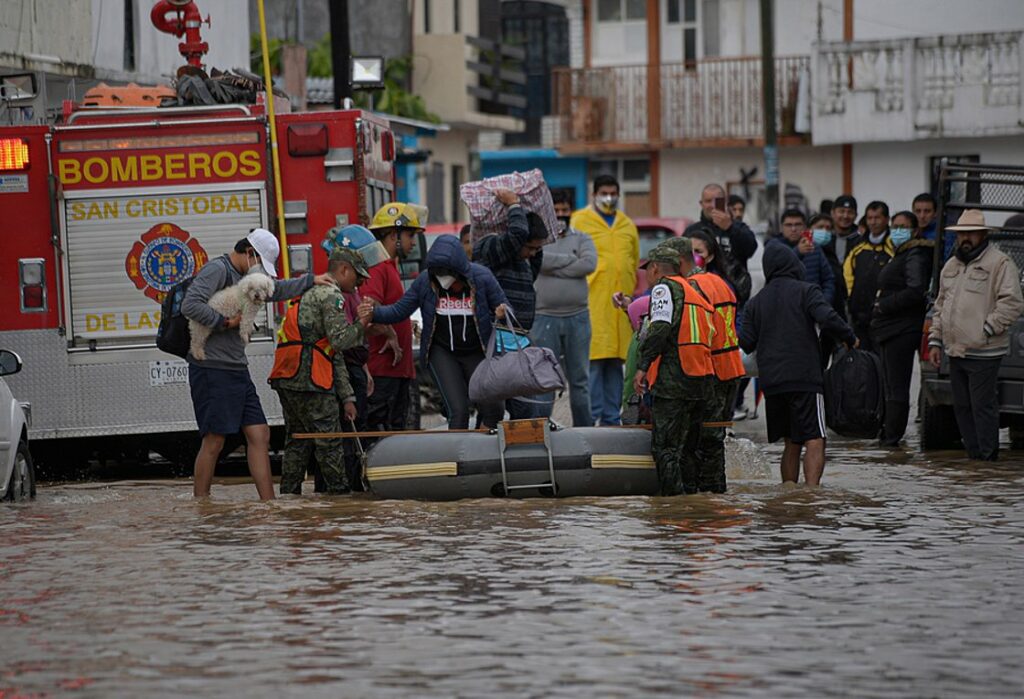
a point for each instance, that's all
(168, 372)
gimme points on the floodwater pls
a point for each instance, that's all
(900, 578)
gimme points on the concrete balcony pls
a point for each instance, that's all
(468, 81)
(709, 103)
(927, 87)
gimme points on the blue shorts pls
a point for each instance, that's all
(225, 400)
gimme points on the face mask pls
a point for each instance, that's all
(821, 236)
(607, 203)
(900, 236)
(445, 280)
(698, 259)
(564, 222)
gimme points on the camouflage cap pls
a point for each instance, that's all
(352, 257)
(662, 253)
(681, 245)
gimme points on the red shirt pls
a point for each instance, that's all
(385, 287)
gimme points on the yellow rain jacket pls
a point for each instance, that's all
(618, 255)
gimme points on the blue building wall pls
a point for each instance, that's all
(559, 172)
(407, 185)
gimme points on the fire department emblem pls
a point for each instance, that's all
(164, 256)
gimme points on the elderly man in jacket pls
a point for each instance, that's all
(979, 299)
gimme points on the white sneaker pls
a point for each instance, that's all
(740, 413)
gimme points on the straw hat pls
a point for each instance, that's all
(971, 220)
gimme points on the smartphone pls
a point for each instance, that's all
(808, 236)
(720, 203)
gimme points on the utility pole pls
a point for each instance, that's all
(771, 146)
(341, 51)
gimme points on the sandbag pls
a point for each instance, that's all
(855, 394)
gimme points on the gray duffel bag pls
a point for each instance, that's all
(514, 374)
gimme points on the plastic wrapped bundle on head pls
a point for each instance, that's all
(637, 310)
(358, 238)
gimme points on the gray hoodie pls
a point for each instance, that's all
(224, 348)
(562, 284)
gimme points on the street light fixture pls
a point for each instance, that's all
(367, 72)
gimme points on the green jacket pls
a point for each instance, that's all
(322, 314)
(662, 340)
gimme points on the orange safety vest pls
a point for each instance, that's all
(695, 332)
(288, 355)
(725, 346)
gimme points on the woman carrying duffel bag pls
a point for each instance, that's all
(458, 300)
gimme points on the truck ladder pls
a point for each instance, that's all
(533, 431)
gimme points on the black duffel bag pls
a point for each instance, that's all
(855, 394)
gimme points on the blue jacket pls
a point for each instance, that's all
(446, 252)
(817, 270)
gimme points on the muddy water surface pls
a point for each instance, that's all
(901, 577)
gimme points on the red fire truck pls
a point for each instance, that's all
(107, 209)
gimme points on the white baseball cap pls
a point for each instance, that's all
(267, 247)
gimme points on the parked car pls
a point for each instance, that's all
(997, 190)
(17, 474)
(652, 231)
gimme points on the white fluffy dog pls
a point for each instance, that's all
(245, 298)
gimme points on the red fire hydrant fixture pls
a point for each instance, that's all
(185, 22)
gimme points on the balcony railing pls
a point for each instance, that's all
(926, 87)
(710, 102)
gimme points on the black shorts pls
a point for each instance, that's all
(225, 400)
(797, 416)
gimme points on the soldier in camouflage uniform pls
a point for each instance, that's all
(675, 359)
(310, 378)
(725, 357)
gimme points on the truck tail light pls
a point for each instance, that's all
(13, 154)
(387, 146)
(307, 140)
(32, 278)
(301, 258)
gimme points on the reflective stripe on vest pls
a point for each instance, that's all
(288, 355)
(696, 330)
(725, 349)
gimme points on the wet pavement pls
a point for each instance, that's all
(899, 578)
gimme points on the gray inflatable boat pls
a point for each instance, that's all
(525, 458)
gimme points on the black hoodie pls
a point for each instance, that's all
(779, 322)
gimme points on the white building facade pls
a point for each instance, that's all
(869, 94)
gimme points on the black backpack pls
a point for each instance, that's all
(855, 394)
(172, 335)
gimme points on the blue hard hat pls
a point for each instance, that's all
(358, 238)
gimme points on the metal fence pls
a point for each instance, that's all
(700, 101)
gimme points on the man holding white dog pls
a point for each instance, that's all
(223, 395)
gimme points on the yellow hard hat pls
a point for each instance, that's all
(396, 215)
